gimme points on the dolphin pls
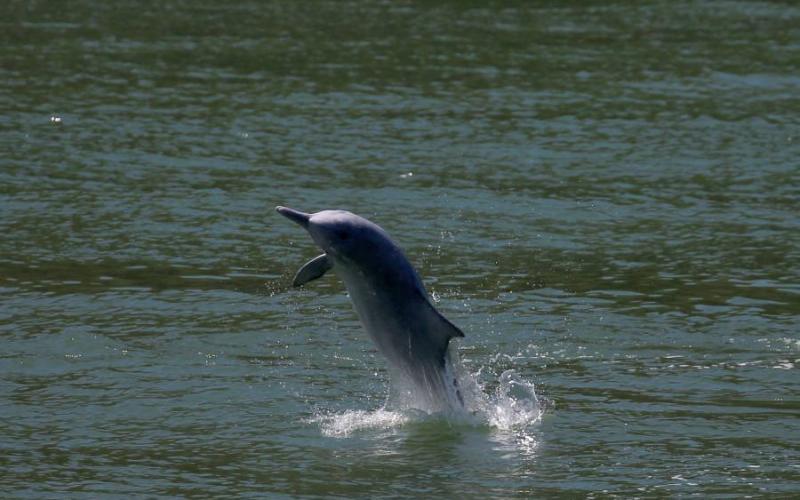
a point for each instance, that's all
(390, 301)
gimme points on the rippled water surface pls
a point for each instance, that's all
(604, 196)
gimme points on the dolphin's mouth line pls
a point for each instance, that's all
(304, 220)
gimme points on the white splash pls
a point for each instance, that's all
(514, 404)
(511, 409)
(348, 422)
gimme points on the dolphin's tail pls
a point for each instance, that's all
(440, 388)
(451, 380)
(457, 390)
(432, 388)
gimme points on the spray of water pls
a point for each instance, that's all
(511, 407)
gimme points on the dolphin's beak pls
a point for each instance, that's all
(300, 218)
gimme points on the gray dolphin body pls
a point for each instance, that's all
(388, 297)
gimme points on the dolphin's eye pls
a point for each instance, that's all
(342, 235)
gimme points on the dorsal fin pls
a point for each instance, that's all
(440, 329)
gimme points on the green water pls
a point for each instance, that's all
(604, 196)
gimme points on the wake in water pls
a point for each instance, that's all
(513, 405)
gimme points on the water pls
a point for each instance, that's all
(603, 196)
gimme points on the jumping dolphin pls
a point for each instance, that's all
(389, 298)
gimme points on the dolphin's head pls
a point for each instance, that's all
(341, 234)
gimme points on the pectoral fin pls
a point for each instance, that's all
(312, 270)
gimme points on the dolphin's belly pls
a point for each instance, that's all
(396, 317)
(394, 324)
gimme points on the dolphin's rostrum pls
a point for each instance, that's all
(390, 301)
